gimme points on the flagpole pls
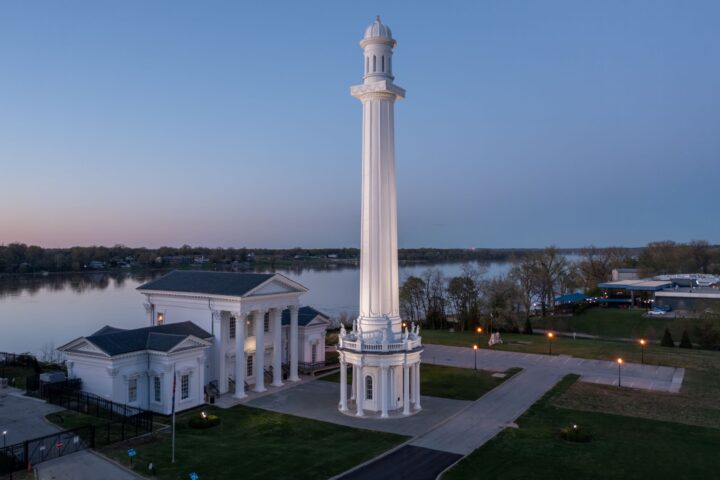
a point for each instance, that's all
(173, 414)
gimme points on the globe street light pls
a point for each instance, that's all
(550, 336)
(4, 439)
(619, 362)
(479, 331)
(475, 348)
(643, 342)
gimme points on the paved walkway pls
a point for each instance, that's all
(82, 465)
(319, 400)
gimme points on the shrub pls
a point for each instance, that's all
(708, 336)
(204, 422)
(667, 340)
(528, 330)
(574, 433)
(685, 340)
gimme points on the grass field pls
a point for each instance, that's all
(449, 382)
(617, 323)
(696, 404)
(253, 443)
(621, 447)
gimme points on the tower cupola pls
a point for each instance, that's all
(378, 45)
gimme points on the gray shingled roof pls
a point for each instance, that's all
(305, 316)
(162, 338)
(210, 283)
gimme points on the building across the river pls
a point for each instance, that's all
(199, 321)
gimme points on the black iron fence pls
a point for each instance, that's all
(31, 452)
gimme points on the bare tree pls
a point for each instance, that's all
(412, 299)
(525, 274)
(463, 296)
(596, 264)
(435, 300)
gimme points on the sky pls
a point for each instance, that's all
(230, 124)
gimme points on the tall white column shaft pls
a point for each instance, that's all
(294, 343)
(259, 319)
(276, 318)
(343, 386)
(360, 396)
(384, 397)
(240, 355)
(406, 390)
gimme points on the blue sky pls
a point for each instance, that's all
(230, 124)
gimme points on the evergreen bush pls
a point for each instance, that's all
(667, 340)
(528, 330)
(685, 341)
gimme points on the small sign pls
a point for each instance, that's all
(194, 476)
(76, 439)
(59, 444)
(131, 452)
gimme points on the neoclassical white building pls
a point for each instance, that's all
(385, 356)
(199, 321)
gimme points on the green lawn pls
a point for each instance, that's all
(621, 447)
(449, 382)
(597, 349)
(17, 373)
(617, 323)
(254, 443)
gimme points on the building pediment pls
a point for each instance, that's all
(189, 343)
(82, 346)
(277, 285)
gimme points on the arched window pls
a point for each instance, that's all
(368, 388)
(374, 63)
(383, 63)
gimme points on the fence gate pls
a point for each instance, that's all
(59, 444)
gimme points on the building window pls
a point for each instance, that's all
(374, 63)
(249, 366)
(184, 387)
(266, 322)
(158, 391)
(368, 388)
(313, 353)
(233, 326)
(383, 63)
(367, 64)
(132, 390)
(159, 318)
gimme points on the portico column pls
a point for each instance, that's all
(240, 367)
(343, 386)
(294, 343)
(219, 341)
(417, 386)
(384, 392)
(406, 390)
(276, 317)
(353, 390)
(360, 391)
(259, 316)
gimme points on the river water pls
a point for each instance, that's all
(40, 313)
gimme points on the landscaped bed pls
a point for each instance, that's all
(620, 447)
(449, 382)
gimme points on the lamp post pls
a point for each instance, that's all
(4, 439)
(475, 348)
(643, 342)
(479, 331)
(619, 362)
(550, 336)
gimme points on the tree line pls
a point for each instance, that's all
(535, 281)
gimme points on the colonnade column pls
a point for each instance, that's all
(417, 386)
(360, 391)
(384, 392)
(240, 367)
(343, 385)
(219, 343)
(259, 319)
(353, 390)
(294, 343)
(406, 390)
(276, 317)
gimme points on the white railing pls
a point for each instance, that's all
(357, 346)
